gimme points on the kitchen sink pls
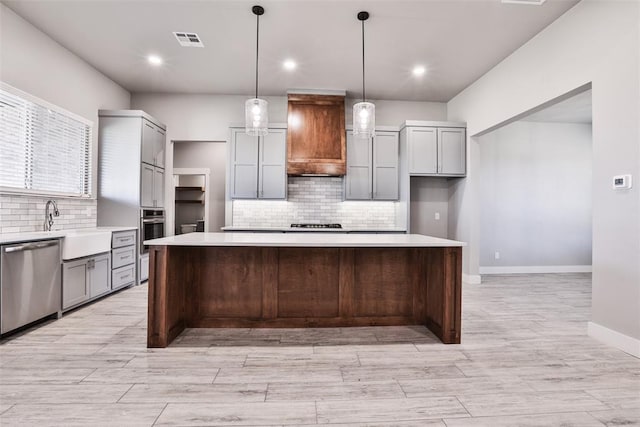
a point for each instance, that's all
(84, 242)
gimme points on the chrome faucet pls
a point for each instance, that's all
(48, 217)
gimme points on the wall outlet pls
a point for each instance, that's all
(437, 216)
(497, 255)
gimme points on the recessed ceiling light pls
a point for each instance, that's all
(289, 65)
(419, 70)
(154, 60)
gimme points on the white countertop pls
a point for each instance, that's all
(332, 240)
(33, 236)
(317, 230)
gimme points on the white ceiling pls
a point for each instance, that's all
(576, 109)
(457, 40)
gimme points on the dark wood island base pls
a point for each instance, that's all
(254, 287)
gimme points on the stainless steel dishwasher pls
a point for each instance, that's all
(30, 283)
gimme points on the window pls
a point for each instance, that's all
(43, 148)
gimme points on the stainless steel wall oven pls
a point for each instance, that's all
(152, 226)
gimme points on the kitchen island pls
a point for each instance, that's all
(253, 280)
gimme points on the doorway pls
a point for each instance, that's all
(535, 192)
(211, 156)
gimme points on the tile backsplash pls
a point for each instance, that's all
(26, 213)
(314, 200)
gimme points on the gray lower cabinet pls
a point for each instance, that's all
(372, 167)
(258, 165)
(436, 151)
(123, 259)
(84, 279)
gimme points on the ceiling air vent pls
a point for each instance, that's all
(188, 39)
(529, 2)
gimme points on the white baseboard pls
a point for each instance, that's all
(472, 279)
(532, 269)
(615, 339)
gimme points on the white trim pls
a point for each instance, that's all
(10, 191)
(615, 339)
(132, 113)
(432, 123)
(532, 269)
(194, 171)
(330, 92)
(471, 279)
(31, 98)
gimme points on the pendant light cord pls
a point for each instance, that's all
(363, 94)
(257, 49)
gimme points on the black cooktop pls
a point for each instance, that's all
(316, 226)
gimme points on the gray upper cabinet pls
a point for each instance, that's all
(153, 144)
(436, 151)
(423, 150)
(258, 165)
(385, 166)
(272, 177)
(451, 151)
(372, 167)
(359, 160)
(147, 185)
(158, 187)
(131, 166)
(148, 142)
(244, 165)
(151, 186)
(160, 147)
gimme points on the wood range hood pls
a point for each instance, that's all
(316, 139)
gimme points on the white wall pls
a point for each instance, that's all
(394, 113)
(535, 185)
(207, 117)
(595, 42)
(429, 196)
(36, 64)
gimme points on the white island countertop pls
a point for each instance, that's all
(317, 240)
(32, 236)
(314, 230)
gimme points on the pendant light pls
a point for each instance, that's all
(364, 113)
(255, 109)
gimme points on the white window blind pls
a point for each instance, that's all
(43, 148)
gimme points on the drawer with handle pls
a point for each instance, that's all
(123, 256)
(123, 276)
(123, 238)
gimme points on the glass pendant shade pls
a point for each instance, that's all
(256, 117)
(364, 119)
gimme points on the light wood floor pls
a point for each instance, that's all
(525, 360)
